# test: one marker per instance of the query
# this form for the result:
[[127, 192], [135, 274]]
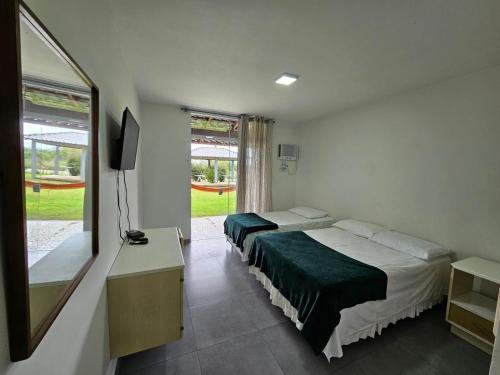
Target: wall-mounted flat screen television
[[127, 144]]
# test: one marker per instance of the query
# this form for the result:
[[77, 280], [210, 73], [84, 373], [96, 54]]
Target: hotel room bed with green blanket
[[238, 226], [318, 281], [241, 229]]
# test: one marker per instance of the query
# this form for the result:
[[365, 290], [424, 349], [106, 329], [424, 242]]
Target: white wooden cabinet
[[471, 313], [145, 293], [495, 361]]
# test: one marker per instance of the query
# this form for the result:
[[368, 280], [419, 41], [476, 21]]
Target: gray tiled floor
[[232, 328]]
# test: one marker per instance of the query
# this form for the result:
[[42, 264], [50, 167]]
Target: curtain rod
[[230, 116], [55, 86]]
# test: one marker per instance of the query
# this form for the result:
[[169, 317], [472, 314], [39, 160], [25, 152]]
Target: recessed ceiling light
[[286, 79]]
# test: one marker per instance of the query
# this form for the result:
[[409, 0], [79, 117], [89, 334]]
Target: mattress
[[287, 221], [413, 286]]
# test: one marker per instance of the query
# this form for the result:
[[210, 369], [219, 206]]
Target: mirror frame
[[12, 206]]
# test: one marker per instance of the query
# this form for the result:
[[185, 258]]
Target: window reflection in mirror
[[57, 168]]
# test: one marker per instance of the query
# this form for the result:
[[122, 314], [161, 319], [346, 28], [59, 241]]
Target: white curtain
[[254, 164]]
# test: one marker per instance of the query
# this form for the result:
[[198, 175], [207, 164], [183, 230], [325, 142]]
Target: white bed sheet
[[287, 221], [413, 286]]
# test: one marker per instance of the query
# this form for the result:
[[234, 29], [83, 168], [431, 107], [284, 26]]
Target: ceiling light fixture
[[286, 79]]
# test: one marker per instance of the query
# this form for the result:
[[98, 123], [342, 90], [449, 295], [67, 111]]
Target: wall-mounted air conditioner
[[288, 152]]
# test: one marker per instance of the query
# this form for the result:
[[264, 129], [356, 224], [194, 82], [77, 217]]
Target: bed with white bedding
[[286, 221], [413, 285]]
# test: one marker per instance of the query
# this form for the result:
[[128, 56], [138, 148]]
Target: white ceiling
[[225, 54], [38, 61]]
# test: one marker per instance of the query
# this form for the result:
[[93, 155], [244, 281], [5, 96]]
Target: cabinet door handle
[[182, 279]]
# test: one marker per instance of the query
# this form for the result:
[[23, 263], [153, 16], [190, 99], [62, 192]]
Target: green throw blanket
[[317, 281], [238, 226]]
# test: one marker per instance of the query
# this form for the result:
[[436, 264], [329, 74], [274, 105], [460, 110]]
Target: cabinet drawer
[[472, 323], [144, 311]]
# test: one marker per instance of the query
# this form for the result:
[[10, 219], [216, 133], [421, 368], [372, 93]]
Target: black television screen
[[127, 144]]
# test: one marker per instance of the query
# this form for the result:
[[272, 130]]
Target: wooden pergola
[[216, 154], [70, 139]]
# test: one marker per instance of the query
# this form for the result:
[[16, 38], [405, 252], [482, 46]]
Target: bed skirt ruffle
[[234, 247], [333, 348]]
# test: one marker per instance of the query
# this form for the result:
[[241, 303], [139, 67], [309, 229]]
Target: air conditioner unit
[[287, 152]]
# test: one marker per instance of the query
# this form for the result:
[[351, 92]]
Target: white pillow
[[405, 243], [308, 212], [359, 228]]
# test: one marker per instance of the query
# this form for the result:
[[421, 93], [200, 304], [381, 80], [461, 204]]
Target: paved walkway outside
[[203, 228], [45, 235]]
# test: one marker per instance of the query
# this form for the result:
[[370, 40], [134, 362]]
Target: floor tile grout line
[[231, 296], [226, 340], [425, 359], [135, 371], [198, 361], [272, 352], [257, 330]]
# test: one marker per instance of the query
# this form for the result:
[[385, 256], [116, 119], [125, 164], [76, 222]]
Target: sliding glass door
[[214, 165]]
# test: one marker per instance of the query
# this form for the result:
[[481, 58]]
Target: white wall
[[283, 183], [77, 343], [166, 147], [426, 162], [166, 167]]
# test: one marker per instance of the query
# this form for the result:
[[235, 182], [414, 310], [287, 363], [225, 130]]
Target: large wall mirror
[[49, 177]]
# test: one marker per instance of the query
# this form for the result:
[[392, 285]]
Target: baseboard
[[112, 366]]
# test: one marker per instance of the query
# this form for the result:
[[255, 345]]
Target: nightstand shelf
[[478, 304], [471, 313]]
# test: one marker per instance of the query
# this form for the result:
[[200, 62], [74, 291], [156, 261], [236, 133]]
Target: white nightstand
[[470, 312]]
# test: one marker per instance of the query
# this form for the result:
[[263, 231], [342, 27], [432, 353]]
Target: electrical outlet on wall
[[288, 166]]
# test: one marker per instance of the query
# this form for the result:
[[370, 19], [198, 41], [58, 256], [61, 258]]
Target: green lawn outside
[[68, 204], [211, 204], [54, 204]]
